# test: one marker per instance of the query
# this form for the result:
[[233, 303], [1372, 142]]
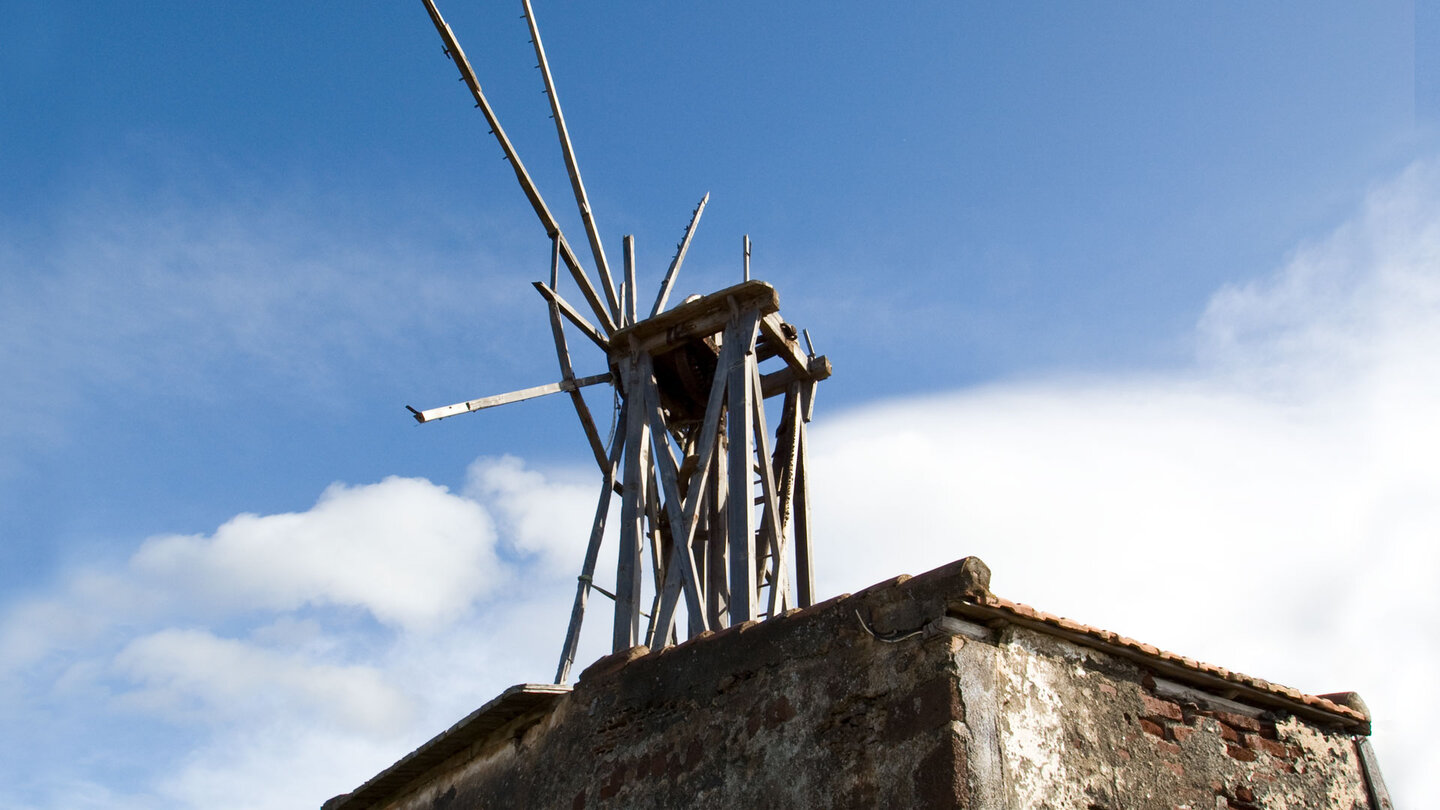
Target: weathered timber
[[592, 556], [741, 518], [482, 403], [627, 582], [670, 275], [527, 185], [567, 372], [582, 200], [777, 382], [693, 319], [573, 316]]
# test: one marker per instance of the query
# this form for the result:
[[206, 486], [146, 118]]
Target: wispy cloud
[[184, 298]]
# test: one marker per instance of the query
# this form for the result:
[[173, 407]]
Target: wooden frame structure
[[714, 516]]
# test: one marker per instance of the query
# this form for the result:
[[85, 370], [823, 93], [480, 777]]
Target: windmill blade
[[582, 200], [552, 229], [504, 399], [679, 256]]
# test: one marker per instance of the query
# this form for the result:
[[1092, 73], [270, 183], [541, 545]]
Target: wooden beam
[[582, 200], [699, 318], [804, 559], [777, 382], [592, 556], [684, 577], [444, 412], [567, 372], [627, 575], [741, 520], [574, 317], [773, 327], [771, 527], [552, 228], [675, 263], [717, 588]]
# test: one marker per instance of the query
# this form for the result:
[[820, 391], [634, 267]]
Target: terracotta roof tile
[[992, 604]]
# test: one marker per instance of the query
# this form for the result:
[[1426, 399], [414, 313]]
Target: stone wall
[[893, 697]]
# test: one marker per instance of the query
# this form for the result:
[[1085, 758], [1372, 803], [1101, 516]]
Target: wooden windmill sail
[[714, 512]]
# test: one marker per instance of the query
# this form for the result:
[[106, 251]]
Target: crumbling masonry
[[924, 692]]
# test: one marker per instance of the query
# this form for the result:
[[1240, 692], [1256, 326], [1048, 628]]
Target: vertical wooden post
[[632, 512], [741, 518], [717, 589]]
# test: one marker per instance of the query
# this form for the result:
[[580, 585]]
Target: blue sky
[[1145, 294]]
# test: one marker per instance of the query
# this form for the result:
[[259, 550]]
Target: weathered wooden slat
[[674, 271], [582, 200], [523, 394], [552, 228]]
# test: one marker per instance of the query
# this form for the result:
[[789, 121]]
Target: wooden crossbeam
[[523, 394]]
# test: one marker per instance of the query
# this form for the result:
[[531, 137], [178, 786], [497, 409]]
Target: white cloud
[[195, 677], [404, 549], [328, 641], [1274, 509], [547, 515]]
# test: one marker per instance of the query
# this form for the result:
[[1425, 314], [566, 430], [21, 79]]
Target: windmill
[[714, 514]]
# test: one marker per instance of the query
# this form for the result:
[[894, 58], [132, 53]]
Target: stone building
[[924, 692]]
